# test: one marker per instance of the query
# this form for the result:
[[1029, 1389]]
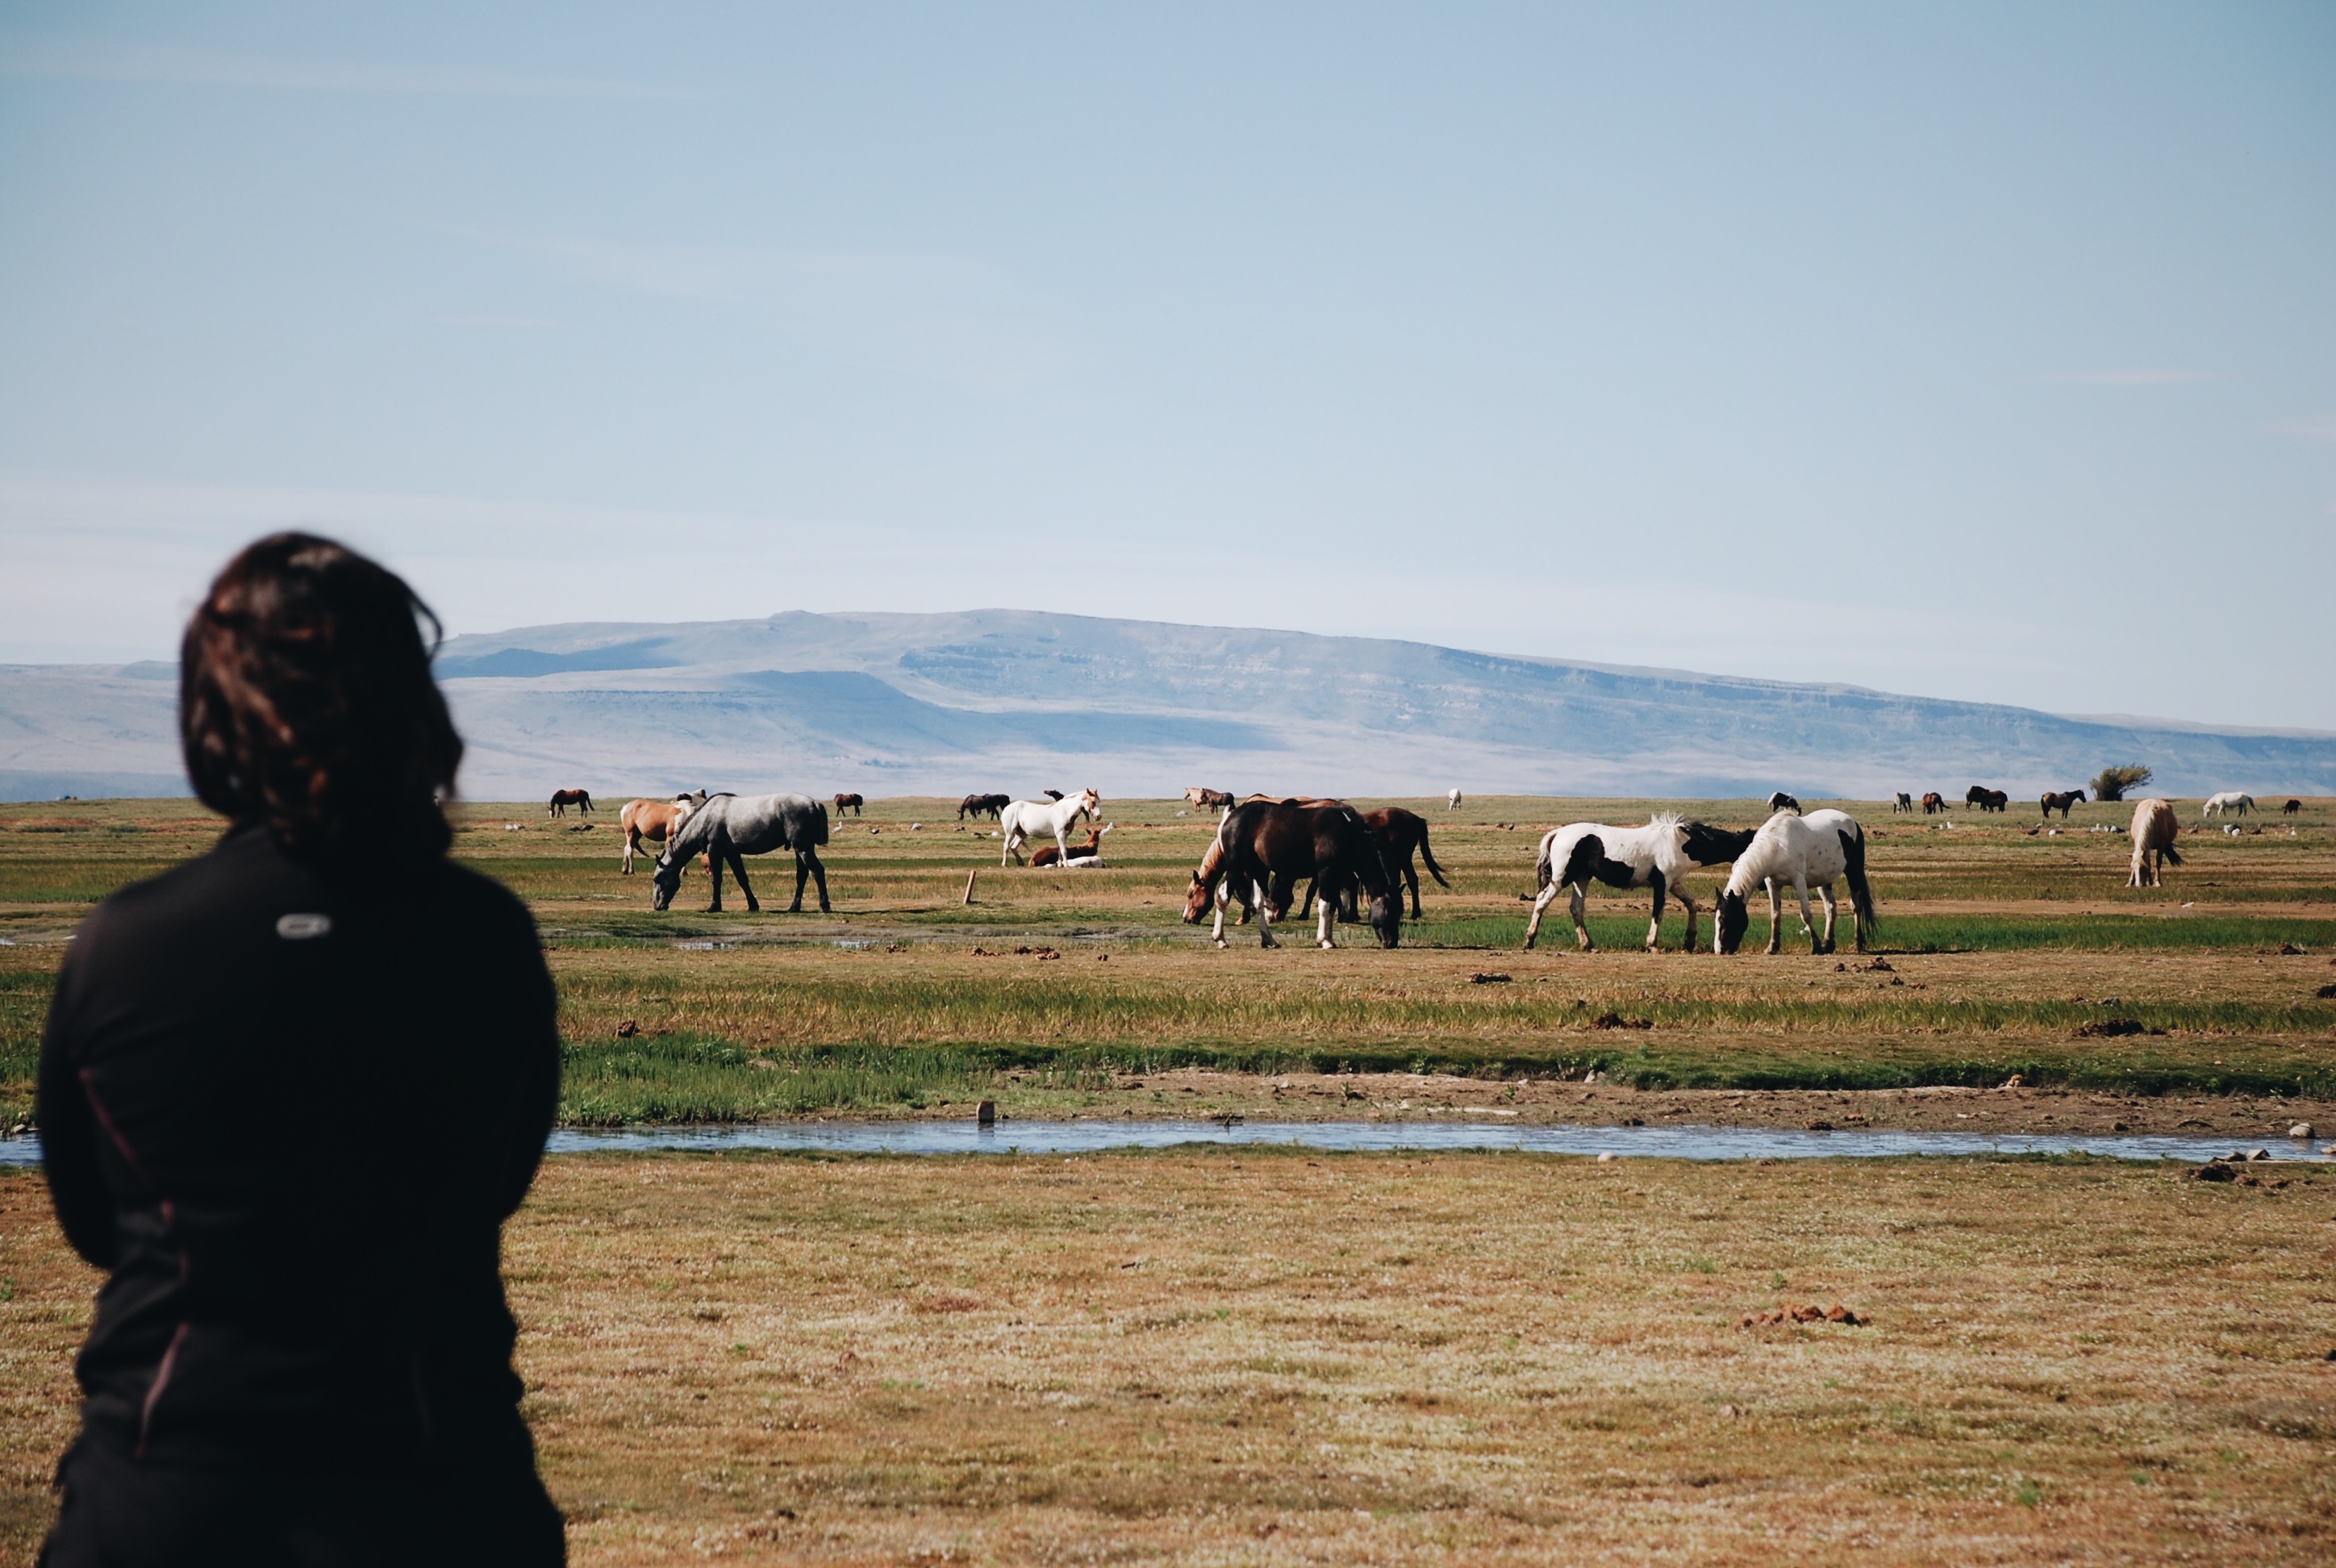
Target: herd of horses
[[1357, 866]]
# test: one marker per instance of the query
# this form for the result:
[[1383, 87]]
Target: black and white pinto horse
[[730, 827], [1657, 856], [1817, 848], [1781, 802]]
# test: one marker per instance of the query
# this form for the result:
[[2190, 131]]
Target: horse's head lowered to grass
[[1730, 918]]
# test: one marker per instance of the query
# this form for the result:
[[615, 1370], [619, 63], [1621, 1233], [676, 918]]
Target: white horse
[[2230, 800], [1657, 856], [1815, 848], [2153, 827], [1452, 801], [1026, 820]]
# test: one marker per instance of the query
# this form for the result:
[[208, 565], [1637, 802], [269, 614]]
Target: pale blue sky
[[1980, 352]]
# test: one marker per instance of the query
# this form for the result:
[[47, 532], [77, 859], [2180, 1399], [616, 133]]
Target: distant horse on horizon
[[2230, 800], [850, 803], [562, 799], [1986, 799], [2057, 802]]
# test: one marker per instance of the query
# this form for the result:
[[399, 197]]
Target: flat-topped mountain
[[1016, 700]]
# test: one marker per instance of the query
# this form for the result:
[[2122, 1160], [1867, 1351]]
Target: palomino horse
[[729, 827], [2230, 800], [562, 799], [1657, 856], [2153, 827], [2060, 802], [1817, 848], [1024, 820], [848, 803], [1263, 846], [654, 821]]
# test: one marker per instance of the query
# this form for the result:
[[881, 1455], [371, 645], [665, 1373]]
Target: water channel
[[1091, 1136]]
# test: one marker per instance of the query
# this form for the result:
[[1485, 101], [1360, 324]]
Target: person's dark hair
[[306, 702]]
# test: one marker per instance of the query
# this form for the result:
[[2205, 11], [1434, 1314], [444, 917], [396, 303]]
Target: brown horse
[[979, 806], [1263, 847], [2291, 808], [1986, 799], [1045, 854], [852, 802], [2057, 802], [562, 799], [1207, 800], [1935, 803], [654, 821]]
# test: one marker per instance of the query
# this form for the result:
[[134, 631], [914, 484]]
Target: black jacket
[[289, 1112]]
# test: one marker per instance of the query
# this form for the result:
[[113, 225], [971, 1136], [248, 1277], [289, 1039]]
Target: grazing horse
[[731, 827], [1904, 803], [1263, 847], [1208, 799], [1781, 802], [1452, 801], [2230, 800], [654, 821], [1045, 854], [850, 803], [2153, 827], [1400, 831], [979, 806], [1986, 799], [1935, 803], [1657, 856], [562, 799], [2291, 808], [2061, 803], [1026, 820], [1817, 848]]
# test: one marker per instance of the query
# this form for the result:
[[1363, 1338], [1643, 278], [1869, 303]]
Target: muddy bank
[[1306, 1096]]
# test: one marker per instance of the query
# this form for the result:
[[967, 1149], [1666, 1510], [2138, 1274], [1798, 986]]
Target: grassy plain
[[1258, 1357], [2009, 951], [1262, 1356]]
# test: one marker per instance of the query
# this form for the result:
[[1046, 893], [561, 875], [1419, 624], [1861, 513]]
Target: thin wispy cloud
[[2319, 427], [2131, 377], [82, 59]]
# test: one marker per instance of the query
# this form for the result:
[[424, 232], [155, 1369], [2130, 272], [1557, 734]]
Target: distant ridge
[[1017, 700]]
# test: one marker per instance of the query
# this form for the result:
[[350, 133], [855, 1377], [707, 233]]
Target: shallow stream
[[1086, 1136]]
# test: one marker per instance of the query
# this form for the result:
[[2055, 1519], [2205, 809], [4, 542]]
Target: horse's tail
[[2166, 849], [1428, 857], [821, 806], [1861, 892]]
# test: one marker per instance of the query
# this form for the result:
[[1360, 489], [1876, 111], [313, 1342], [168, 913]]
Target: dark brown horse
[[2291, 808], [1399, 833], [979, 806], [1263, 847], [2057, 802], [1986, 799], [1935, 803], [850, 803], [562, 799]]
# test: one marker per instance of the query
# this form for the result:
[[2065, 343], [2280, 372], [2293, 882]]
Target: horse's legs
[[1655, 920], [1580, 931], [1776, 912], [714, 848], [1824, 891], [1541, 902], [632, 842], [807, 865], [738, 870], [1411, 879], [1687, 904], [1224, 899], [1327, 922], [1264, 918]]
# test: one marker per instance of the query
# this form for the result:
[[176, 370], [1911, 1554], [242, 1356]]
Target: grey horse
[[730, 827]]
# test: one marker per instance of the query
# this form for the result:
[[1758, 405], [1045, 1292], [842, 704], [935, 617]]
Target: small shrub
[[2111, 783]]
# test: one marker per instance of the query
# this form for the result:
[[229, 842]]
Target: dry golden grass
[[1246, 1357]]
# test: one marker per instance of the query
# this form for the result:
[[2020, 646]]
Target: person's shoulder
[[231, 870], [472, 898]]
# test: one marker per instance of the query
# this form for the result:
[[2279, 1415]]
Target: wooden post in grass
[[969, 885]]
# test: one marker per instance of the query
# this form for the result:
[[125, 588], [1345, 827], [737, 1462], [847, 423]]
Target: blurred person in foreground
[[288, 1093]]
